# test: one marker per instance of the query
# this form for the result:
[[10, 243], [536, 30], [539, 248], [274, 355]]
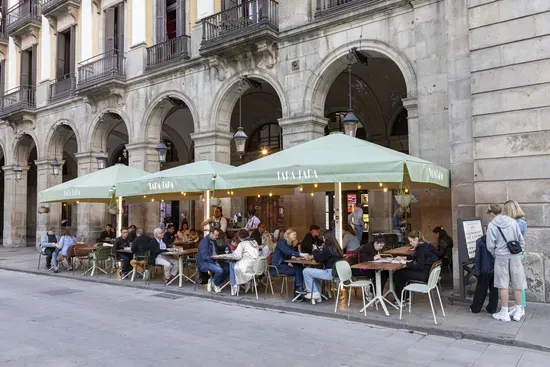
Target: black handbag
[[513, 246]]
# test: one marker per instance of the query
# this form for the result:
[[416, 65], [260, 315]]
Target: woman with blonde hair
[[512, 209], [285, 251]]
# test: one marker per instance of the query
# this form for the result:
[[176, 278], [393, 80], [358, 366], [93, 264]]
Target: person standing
[[253, 221], [356, 219], [484, 271], [513, 210], [219, 223], [508, 267], [444, 245], [47, 245]]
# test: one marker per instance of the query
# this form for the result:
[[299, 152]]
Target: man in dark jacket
[[208, 247], [168, 237], [108, 234], [484, 271], [141, 243], [119, 244], [310, 239]]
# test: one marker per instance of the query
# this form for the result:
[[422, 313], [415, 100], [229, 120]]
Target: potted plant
[[43, 210], [404, 200]]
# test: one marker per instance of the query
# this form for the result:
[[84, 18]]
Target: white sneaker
[[234, 289], [518, 313], [316, 296], [502, 315], [209, 286], [512, 311], [217, 289]]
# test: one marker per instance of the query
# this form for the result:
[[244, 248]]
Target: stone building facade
[[461, 83]]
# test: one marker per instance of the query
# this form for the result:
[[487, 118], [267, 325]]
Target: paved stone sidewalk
[[532, 332], [72, 323]]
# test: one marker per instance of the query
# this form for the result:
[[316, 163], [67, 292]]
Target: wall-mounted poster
[[469, 230], [352, 202], [365, 199]]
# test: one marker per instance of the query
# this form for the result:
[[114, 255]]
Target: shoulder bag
[[513, 246]]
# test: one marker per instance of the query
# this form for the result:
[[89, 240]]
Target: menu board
[[469, 230]]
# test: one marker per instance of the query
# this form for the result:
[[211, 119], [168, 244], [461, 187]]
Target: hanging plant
[[43, 210], [113, 205], [404, 200]]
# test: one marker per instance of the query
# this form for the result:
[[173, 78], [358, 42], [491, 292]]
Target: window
[[170, 19], [28, 67], [2, 76], [65, 63], [114, 28], [267, 137]]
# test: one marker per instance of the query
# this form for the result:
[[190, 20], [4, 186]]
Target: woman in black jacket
[[424, 256], [327, 256], [370, 252]]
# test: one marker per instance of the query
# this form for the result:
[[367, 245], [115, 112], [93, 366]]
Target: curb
[[460, 333]]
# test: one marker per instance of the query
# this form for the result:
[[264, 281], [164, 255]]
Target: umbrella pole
[[206, 207], [119, 216], [338, 211]]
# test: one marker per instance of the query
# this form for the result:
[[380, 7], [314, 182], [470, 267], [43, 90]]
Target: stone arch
[[99, 131], [154, 117], [57, 137], [228, 95], [22, 146], [335, 62]]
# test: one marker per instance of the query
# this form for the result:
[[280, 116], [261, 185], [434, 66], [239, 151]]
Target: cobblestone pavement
[[46, 321]]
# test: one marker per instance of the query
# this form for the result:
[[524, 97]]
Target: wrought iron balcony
[[331, 7], [16, 100], [62, 88], [251, 21], [168, 52], [53, 7], [4, 38], [22, 15], [106, 67]]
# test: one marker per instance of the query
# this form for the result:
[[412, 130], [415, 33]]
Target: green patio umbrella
[[336, 158], [94, 187]]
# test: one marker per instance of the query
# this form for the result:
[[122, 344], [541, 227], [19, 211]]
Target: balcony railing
[[107, 66], [62, 87], [3, 34], [167, 52], [241, 19], [24, 12], [17, 99], [49, 5]]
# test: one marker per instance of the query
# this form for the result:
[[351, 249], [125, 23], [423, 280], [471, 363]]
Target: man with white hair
[[158, 248]]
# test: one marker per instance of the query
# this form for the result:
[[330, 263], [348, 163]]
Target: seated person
[[444, 245], [310, 239], [119, 244], [107, 235], [183, 233], [200, 234], [285, 251], [207, 248], [263, 239], [140, 245], [424, 256], [350, 243], [193, 236], [370, 252], [157, 249], [60, 252], [246, 254], [328, 255], [47, 245], [132, 233], [169, 235]]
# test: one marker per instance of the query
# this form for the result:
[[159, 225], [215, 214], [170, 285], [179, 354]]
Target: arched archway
[[108, 131], [2, 187]]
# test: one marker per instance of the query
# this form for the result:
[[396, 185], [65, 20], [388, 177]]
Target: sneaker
[[512, 311], [234, 289], [55, 269], [502, 315], [217, 289], [518, 313], [300, 290], [316, 296]]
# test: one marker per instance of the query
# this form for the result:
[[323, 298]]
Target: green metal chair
[[101, 254]]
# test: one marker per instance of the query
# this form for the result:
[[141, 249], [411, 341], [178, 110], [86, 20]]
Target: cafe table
[[378, 266], [180, 255], [305, 263], [401, 251]]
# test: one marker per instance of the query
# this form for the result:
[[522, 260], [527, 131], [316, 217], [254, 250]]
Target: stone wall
[[510, 81]]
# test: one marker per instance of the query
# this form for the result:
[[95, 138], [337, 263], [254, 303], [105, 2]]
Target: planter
[[113, 211], [43, 210], [404, 201]]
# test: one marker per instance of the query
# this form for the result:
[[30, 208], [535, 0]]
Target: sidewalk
[[532, 332]]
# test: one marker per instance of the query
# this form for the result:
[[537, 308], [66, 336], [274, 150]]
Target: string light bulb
[[301, 188], [144, 196], [359, 186], [315, 185], [381, 184], [312, 194], [385, 189], [270, 194], [259, 195], [406, 190]]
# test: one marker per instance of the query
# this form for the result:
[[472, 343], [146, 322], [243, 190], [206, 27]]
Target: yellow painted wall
[[150, 23]]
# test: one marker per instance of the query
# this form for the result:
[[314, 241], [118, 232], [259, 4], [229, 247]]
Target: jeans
[[126, 258], [232, 279], [370, 274], [294, 271], [169, 264], [401, 277], [312, 278], [220, 272], [485, 281], [49, 253], [359, 233]]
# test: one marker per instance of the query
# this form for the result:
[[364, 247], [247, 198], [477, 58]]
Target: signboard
[[469, 230]]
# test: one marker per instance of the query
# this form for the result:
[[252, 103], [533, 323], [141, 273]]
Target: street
[[61, 322]]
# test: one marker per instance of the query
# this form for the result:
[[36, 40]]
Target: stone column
[[45, 180], [302, 210], [15, 208], [145, 215], [460, 120], [91, 216], [214, 146]]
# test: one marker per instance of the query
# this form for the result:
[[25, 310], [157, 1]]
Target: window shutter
[[72, 50], [2, 77], [34, 65], [60, 66], [24, 77], [109, 29], [120, 28], [180, 18], [161, 22], [228, 4]]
